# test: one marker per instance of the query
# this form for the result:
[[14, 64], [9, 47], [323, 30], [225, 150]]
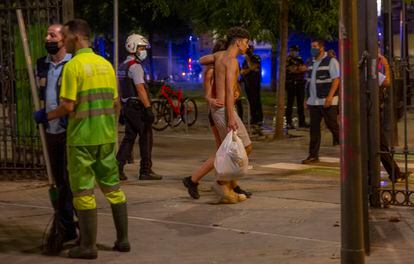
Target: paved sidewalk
[[293, 216]]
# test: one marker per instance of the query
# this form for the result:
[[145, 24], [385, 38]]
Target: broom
[[56, 232]]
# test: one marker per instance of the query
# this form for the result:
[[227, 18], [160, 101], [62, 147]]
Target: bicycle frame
[[166, 91]]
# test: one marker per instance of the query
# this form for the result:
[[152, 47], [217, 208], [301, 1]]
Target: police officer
[[136, 107], [49, 73], [322, 90], [295, 87], [252, 77]]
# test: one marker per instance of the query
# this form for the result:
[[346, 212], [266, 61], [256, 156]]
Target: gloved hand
[[148, 116], [40, 116]]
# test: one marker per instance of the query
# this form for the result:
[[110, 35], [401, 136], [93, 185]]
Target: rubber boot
[[120, 214], [88, 228]]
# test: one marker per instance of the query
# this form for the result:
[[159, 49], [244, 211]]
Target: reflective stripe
[[323, 68], [323, 81], [97, 96], [83, 193], [94, 112], [86, 202], [116, 197], [125, 100], [108, 189]]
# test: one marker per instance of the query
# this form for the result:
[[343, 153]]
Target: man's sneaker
[[227, 195], [402, 177], [239, 190], [310, 159], [192, 187], [237, 198], [149, 177]]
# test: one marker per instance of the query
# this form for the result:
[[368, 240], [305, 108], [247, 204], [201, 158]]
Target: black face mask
[[52, 47]]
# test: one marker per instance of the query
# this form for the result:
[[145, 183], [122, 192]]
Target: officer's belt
[[125, 100]]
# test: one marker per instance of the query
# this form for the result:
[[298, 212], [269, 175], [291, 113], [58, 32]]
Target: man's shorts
[[219, 117]]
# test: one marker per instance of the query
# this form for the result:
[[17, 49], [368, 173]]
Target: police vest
[[126, 84], [323, 78], [42, 68]]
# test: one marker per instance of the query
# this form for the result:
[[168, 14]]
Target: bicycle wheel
[[160, 123], [171, 117], [189, 111]]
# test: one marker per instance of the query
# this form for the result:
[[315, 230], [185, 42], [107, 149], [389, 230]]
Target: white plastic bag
[[231, 158]]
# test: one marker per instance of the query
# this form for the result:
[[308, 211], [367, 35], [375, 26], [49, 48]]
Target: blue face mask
[[315, 52]]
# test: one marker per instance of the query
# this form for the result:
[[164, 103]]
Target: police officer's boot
[[120, 214], [88, 227]]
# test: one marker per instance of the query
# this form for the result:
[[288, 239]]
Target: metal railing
[[20, 150]]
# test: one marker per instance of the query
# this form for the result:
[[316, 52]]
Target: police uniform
[[49, 75], [89, 80], [130, 74], [252, 85], [295, 88], [320, 76]]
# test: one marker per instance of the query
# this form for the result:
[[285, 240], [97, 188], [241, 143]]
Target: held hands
[[216, 103], [40, 116], [148, 116]]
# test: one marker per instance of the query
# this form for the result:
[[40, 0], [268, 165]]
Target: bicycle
[[171, 108]]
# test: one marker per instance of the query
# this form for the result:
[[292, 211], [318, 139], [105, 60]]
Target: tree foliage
[[149, 17]]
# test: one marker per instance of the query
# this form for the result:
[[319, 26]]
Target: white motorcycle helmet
[[134, 41]]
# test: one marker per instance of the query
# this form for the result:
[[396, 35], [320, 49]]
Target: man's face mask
[[52, 47], [315, 52]]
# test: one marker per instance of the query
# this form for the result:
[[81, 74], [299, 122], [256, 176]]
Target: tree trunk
[[280, 94], [273, 66]]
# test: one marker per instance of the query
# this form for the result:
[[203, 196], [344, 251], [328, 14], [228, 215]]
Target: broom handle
[[33, 89]]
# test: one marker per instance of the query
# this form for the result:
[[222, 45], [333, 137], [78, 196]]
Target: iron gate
[[398, 113], [20, 149]]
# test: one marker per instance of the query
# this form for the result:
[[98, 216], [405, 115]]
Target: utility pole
[[352, 249], [363, 102]]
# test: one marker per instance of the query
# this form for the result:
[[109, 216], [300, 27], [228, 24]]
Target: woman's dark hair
[[219, 45]]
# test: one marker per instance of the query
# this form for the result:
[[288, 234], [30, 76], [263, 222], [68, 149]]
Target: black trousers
[[134, 125], [56, 145], [253, 96], [386, 158], [317, 113], [295, 90]]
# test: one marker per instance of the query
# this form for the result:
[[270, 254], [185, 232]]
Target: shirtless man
[[191, 182], [226, 71]]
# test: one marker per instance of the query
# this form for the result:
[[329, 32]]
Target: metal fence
[[398, 106], [20, 150]]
